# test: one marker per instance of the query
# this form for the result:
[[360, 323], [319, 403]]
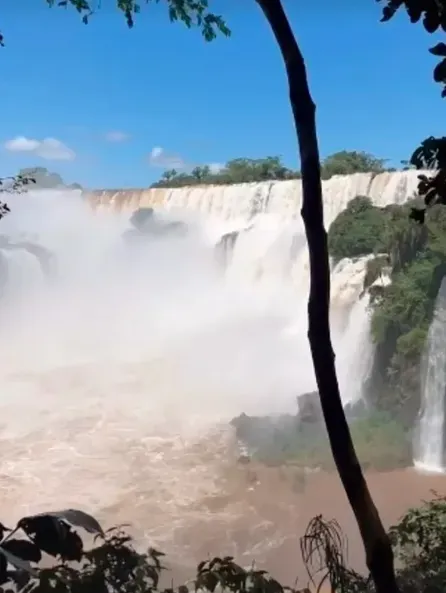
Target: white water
[[230, 207], [429, 445], [118, 380]]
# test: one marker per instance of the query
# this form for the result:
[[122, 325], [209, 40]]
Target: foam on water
[[112, 374], [118, 378]]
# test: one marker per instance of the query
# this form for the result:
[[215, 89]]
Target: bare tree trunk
[[379, 555]]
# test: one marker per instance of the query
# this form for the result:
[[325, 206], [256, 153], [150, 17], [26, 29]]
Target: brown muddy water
[[119, 378], [262, 512], [171, 473]]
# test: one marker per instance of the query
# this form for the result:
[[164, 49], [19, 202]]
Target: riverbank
[[382, 443]]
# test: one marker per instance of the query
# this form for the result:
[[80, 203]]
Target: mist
[[119, 366]]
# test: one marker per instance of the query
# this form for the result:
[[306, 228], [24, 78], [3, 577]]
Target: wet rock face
[[147, 225], [278, 439], [356, 410], [248, 428], [142, 218], [310, 411], [45, 258], [261, 433], [225, 247], [177, 227]]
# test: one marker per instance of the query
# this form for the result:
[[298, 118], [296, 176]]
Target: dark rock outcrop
[[147, 225], [225, 248], [310, 411], [45, 258], [277, 439]]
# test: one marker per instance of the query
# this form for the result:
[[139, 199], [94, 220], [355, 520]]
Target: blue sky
[[106, 96]]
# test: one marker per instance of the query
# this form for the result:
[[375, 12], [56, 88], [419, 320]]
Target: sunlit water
[[429, 438]]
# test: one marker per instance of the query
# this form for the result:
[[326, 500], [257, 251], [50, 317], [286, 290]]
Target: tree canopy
[[348, 162], [356, 231], [271, 168], [190, 12]]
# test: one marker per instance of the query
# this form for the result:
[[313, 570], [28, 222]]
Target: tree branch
[[379, 554]]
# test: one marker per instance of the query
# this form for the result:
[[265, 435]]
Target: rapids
[[119, 376]]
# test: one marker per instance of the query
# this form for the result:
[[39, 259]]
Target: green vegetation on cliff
[[381, 442], [271, 168], [415, 258], [358, 230], [402, 309]]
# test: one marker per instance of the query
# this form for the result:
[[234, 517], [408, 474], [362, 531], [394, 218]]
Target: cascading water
[[273, 251], [429, 438], [355, 362], [118, 378]]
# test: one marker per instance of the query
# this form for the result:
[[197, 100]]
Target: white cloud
[[116, 136], [216, 167], [49, 149], [166, 160]]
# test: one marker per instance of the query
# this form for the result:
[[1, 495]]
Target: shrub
[[358, 230], [418, 540], [111, 565], [380, 441]]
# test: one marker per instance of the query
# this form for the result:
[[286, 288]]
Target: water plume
[[125, 361], [429, 436], [120, 375]]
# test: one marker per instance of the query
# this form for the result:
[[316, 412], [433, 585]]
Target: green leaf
[[439, 50], [18, 562], [23, 549]]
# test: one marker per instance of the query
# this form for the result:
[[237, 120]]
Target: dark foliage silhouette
[[419, 542], [46, 553], [110, 565], [13, 185], [431, 154]]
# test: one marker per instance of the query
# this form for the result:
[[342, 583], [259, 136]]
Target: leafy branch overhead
[[28, 178], [45, 553], [13, 185], [193, 13], [112, 565], [432, 152], [433, 12]]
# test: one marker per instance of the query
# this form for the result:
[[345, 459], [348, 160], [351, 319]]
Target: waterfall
[[429, 438], [230, 206], [355, 353], [270, 252], [132, 362]]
